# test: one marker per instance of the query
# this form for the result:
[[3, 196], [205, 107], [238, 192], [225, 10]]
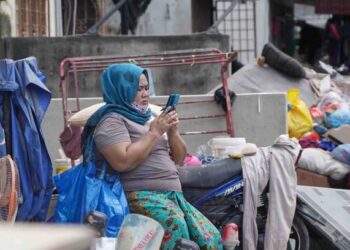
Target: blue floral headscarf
[[120, 83]]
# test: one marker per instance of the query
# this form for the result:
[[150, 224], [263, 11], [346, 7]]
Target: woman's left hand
[[173, 130], [177, 145]]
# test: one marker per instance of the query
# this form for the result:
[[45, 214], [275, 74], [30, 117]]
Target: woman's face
[[142, 97]]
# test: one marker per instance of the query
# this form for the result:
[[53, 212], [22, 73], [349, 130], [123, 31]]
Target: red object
[[310, 140], [230, 232], [192, 160], [70, 140], [312, 136], [335, 31], [338, 7], [315, 112]]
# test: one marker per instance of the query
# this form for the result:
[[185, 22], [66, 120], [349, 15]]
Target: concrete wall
[[51, 51], [259, 117], [166, 17]]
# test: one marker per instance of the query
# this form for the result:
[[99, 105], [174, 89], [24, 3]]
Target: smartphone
[[173, 100]]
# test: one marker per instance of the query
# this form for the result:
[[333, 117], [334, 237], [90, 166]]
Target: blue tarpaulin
[[29, 100]]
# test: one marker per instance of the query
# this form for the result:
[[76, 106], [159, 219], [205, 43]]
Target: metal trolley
[[70, 68]]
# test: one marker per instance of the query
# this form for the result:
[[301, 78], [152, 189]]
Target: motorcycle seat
[[211, 175]]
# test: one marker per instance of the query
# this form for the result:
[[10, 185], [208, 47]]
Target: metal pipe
[[93, 30], [74, 16], [214, 27]]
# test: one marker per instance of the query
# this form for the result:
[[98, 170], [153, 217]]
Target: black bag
[[282, 62], [219, 97]]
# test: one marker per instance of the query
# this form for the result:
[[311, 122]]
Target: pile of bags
[[322, 129]]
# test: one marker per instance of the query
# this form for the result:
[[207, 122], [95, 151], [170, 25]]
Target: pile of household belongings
[[318, 112]]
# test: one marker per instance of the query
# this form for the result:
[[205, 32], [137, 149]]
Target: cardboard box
[[308, 178]]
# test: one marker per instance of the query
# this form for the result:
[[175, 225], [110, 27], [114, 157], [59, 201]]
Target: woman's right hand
[[163, 122]]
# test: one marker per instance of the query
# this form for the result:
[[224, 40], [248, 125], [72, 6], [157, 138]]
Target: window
[[32, 16], [240, 26], [88, 12]]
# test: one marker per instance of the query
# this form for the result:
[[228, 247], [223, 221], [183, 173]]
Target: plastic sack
[[321, 162], [310, 140], [299, 118], [328, 100], [327, 145], [70, 140], [342, 154], [337, 118], [83, 189], [192, 160], [204, 154], [140, 232]]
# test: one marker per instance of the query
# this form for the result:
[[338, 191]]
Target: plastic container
[[230, 236], [139, 232], [230, 245], [61, 165], [221, 147]]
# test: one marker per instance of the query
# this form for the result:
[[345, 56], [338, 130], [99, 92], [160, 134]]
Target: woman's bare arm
[[125, 157], [178, 148]]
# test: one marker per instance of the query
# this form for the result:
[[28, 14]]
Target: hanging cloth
[[33, 99], [8, 85], [35, 91]]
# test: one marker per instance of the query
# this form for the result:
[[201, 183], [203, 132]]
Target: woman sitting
[[138, 150]]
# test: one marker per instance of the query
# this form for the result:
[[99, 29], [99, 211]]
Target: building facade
[[30, 18], [246, 23]]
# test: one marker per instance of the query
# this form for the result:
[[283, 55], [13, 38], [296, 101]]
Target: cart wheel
[[299, 238]]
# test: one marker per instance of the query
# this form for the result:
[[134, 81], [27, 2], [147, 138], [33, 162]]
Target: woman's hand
[[173, 129], [177, 145], [164, 122]]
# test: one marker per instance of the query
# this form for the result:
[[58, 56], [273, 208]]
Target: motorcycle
[[217, 191]]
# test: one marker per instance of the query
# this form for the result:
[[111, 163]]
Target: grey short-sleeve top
[[157, 173]]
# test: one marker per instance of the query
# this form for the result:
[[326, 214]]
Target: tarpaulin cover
[[28, 104], [256, 79]]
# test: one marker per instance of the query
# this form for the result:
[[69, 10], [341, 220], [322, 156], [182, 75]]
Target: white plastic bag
[[321, 162]]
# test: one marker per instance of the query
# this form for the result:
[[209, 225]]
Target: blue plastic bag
[[327, 145], [85, 188], [342, 154], [337, 118]]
